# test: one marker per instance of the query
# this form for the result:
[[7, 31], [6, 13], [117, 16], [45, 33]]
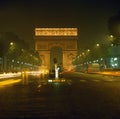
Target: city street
[[59, 59], [81, 96]]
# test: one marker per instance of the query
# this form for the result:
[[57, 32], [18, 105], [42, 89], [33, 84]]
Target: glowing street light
[[83, 53], [111, 36], [97, 45], [88, 50], [11, 43]]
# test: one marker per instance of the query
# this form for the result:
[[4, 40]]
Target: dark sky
[[89, 16]]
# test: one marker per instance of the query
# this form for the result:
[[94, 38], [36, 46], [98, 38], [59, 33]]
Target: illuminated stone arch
[[56, 52], [65, 38], [56, 44]]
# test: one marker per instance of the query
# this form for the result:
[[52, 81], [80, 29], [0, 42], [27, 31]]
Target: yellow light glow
[[10, 81], [98, 45], [111, 36], [56, 31], [11, 43], [88, 50], [56, 80], [50, 80], [9, 75], [115, 73]]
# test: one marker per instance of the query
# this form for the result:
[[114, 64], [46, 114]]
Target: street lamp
[[11, 43], [97, 45], [88, 50], [111, 36], [83, 53]]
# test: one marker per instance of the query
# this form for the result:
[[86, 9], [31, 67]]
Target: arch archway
[[56, 53], [59, 43]]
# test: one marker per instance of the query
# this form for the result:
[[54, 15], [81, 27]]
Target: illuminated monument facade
[[56, 43]]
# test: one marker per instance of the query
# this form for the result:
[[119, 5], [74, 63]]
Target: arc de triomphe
[[56, 43]]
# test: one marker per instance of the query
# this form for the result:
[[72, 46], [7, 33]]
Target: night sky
[[89, 16]]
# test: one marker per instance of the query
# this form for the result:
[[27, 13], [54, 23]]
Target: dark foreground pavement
[[80, 97]]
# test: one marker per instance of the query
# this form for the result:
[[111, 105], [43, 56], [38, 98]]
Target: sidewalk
[[110, 73], [105, 76]]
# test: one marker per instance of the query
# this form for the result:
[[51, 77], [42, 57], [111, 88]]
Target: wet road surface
[[73, 99]]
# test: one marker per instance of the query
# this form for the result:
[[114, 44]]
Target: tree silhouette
[[114, 28]]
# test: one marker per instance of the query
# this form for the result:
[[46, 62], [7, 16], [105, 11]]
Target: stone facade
[[66, 41]]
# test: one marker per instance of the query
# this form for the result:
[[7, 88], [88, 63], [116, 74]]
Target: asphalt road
[[82, 96]]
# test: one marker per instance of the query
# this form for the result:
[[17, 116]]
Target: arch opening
[[56, 53]]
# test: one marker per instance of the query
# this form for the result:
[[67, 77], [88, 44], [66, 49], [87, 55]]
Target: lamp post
[[11, 43], [97, 44], [6, 56]]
